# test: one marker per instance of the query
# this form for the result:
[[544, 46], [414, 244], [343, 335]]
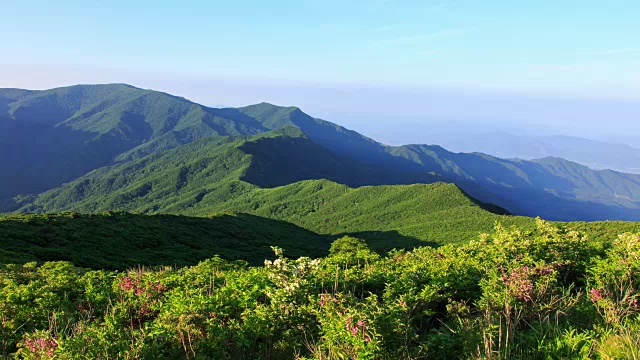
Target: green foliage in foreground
[[542, 294]]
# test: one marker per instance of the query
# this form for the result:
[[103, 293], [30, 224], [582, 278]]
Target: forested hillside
[[61, 134], [84, 134], [304, 218]]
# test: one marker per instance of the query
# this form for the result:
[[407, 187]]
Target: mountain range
[[599, 155], [92, 148]]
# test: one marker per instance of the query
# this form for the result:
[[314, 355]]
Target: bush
[[512, 294]]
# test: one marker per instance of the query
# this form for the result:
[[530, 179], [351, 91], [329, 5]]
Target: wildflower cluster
[[595, 295], [358, 328], [615, 280], [146, 294], [520, 281], [139, 288], [289, 275], [327, 298], [41, 346]]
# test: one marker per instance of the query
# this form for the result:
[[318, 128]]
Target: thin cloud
[[428, 52], [442, 5], [439, 6], [385, 5], [635, 80], [616, 51], [577, 67], [436, 35]]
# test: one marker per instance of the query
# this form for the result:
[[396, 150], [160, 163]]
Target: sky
[[368, 64]]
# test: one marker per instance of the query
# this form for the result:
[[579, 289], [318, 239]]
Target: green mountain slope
[[554, 188], [269, 175], [262, 176], [208, 171], [62, 134], [386, 216], [338, 139], [225, 173], [268, 178]]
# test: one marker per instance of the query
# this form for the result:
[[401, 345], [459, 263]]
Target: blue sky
[[558, 49], [538, 46]]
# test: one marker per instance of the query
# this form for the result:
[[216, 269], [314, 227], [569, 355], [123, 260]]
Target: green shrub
[[513, 294]]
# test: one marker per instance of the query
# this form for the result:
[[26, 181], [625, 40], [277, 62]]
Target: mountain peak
[[265, 107], [268, 104]]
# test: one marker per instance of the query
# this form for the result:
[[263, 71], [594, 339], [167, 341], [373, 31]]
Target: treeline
[[519, 294]]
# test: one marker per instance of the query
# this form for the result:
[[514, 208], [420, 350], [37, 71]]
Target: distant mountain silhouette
[[599, 155]]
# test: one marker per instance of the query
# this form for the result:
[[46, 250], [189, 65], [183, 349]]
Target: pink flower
[[138, 288], [359, 327], [595, 295], [354, 330], [325, 298], [545, 271], [48, 346]]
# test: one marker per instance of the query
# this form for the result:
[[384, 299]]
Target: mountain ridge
[[107, 130], [597, 154]]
